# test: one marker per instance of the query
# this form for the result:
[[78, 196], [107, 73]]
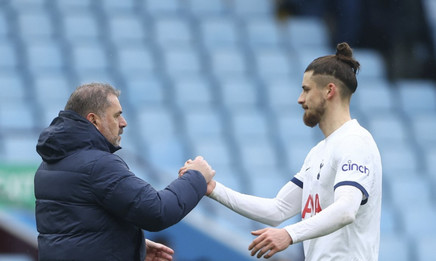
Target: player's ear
[[94, 119], [331, 90]]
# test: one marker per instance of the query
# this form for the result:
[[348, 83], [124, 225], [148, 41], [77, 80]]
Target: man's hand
[[158, 252], [200, 165], [210, 187], [269, 239]]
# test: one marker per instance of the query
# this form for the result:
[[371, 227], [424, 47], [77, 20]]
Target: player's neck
[[333, 120]]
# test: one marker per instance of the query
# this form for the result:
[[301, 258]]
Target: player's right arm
[[339, 214], [270, 211]]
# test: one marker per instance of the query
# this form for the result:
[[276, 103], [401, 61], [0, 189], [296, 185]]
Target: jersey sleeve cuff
[[292, 234], [357, 185], [297, 182], [217, 191]]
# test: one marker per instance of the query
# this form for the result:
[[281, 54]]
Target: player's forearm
[[265, 210], [339, 214]]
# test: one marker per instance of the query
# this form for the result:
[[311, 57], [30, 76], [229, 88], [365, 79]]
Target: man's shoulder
[[86, 160]]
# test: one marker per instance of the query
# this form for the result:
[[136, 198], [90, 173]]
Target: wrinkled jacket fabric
[[89, 206]]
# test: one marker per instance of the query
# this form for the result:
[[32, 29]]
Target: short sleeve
[[355, 165], [298, 178]]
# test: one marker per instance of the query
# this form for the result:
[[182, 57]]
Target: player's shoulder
[[355, 137], [355, 132]]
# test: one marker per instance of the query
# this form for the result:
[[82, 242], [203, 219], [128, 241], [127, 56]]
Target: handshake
[[200, 164]]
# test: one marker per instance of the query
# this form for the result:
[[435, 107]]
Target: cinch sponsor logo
[[350, 166]]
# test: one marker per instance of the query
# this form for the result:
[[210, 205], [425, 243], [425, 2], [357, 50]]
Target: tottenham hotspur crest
[[319, 172]]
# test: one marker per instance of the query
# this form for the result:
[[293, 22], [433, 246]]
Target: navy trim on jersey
[[357, 185], [297, 182]]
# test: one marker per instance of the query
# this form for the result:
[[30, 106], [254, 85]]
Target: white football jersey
[[349, 156]]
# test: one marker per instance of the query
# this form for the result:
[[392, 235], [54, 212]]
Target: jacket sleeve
[[126, 196]]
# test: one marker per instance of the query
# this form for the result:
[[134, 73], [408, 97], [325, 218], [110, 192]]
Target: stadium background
[[221, 78]]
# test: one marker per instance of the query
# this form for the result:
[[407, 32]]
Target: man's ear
[[93, 118], [331, 90]]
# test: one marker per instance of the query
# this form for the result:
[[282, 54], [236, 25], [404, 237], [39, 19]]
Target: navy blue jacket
[[89, 206]]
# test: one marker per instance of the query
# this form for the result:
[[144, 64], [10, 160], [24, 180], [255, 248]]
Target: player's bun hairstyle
[[342, 66]]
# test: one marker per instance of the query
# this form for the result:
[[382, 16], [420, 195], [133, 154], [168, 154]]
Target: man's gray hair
[[91, 97]]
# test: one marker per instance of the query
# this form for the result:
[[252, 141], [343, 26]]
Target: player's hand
[[269, 242], [158, 252], [210, 187], [200, 165]]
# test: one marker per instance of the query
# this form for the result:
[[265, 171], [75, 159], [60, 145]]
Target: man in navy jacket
[[89, 206]]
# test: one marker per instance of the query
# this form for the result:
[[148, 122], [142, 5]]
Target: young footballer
[[338, 189]]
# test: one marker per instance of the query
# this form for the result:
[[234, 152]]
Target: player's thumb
[[258, 232]]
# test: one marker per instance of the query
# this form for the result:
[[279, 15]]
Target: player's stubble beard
[[312, 117]]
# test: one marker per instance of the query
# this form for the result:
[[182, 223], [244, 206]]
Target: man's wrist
[[291, 234]]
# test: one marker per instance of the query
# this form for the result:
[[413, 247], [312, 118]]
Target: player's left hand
[[158, 252], [269, 242]]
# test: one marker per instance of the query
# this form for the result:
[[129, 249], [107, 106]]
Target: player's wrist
[[292, 235]]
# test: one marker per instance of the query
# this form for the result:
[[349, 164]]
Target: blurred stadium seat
[[16, 115], [416, 96], [423, 126], [371, 63], [406, 202], [219, 32], [263, 33], [282, 93], [72, 5], [425, 248], [249, 125], [370, 87], [238, 92], [228, 62], [9, 56], [158, 8], [136, 60], [113, 7], [35, 24], [200, 8], [45, 55], [172, 31], [299, 27], [16, 89], [382, 125], [252, 8], [145, 89], [394, 247], [156, 122], [89, 58], [181, 62], [20, 149], [126, 28], [275, 63], [80, 27]]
